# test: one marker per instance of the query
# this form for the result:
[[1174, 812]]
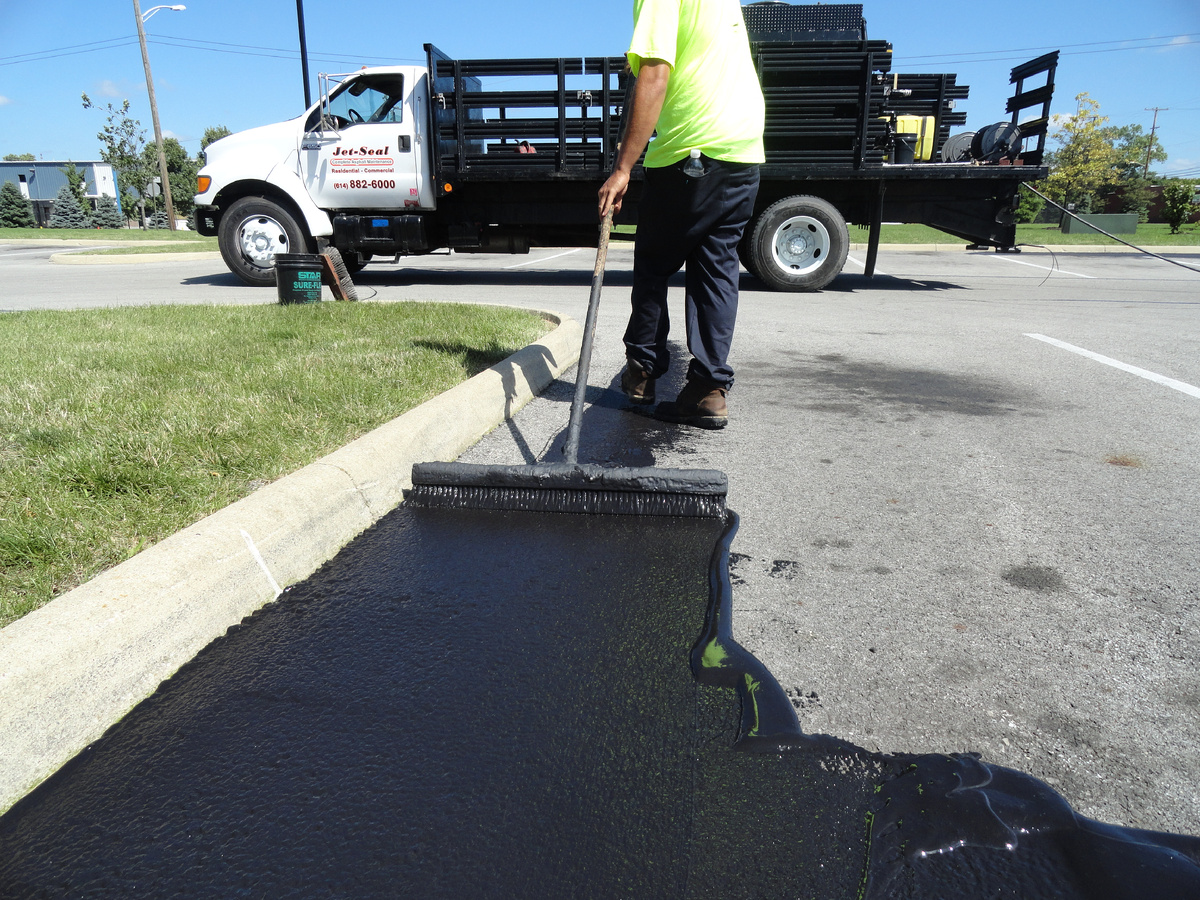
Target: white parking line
[[1021, 262], [542, 259], [1182, 386], [859, 262]]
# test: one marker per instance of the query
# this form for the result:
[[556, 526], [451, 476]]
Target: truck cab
[[283, 188]]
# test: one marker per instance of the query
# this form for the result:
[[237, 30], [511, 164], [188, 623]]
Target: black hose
[[1173, 262]]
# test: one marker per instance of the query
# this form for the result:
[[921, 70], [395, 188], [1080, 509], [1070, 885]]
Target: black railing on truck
[[526, 133]]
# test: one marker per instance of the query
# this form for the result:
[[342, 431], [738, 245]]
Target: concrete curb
[[86, 242], [75, 667]]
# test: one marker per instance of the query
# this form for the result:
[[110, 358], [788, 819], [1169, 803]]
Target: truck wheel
[[252, 231], [799, 244]]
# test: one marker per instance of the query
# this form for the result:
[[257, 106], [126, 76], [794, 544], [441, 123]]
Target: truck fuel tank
[[382, 234]]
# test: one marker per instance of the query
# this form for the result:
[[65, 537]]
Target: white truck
[[501, 155]]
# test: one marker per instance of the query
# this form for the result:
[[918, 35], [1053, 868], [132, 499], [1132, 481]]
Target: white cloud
[[4, 101], [108, 88]]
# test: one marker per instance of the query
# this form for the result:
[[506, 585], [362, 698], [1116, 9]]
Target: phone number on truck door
[[360, 184]]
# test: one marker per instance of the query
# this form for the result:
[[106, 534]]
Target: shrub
[[107, 215], [67, 213], [1029, 205], [15, 210], [1178, 204]]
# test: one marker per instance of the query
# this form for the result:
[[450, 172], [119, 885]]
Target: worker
[[696, 90]]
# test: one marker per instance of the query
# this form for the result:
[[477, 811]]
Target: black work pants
[[696, 222]]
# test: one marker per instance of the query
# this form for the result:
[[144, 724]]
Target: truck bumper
[[208, 220]]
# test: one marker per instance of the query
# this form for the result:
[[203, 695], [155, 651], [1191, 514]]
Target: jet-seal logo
[[361, 151], [346, 159]]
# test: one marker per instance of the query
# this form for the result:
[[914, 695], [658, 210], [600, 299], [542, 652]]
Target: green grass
[[119, 427], [202, 246], [1156, 235], [99, 234], [1151, 235]]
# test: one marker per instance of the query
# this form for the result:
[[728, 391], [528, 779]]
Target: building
[[41, 180]]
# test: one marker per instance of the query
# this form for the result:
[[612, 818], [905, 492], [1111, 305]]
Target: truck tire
[[799, 244], [252, 231]]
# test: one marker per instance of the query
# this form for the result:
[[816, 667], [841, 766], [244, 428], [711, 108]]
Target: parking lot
[[969, 489]]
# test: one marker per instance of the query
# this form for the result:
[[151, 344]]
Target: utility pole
[[162, 157], [1153, 126]]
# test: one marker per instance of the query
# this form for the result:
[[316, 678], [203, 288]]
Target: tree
[[1179, 203], [107, 215], [123, 139], [15, 209], [77, 181], [212, 135], [66, 212], [1029, 205], [181, 170], [1134, 195], [1133, 149], [19, 157], [1085, 157]]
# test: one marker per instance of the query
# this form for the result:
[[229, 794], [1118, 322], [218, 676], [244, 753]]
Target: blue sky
[[235, 63]]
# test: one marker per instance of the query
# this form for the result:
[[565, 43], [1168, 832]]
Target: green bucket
[[298, 277]]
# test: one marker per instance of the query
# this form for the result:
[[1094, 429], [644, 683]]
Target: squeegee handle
[[571, 450]]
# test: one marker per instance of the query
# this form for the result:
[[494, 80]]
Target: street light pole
[[162, 158]]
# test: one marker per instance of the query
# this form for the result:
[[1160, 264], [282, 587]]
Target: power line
[[93, 44], [189, 44], [906, 61], [276, 53], [52, 54], [1165, 37], [244, 49]]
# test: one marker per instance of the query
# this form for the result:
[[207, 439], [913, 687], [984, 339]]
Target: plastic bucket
[[298, 277], [906, 148]]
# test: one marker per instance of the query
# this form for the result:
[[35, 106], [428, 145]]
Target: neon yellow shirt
[[714, 102]]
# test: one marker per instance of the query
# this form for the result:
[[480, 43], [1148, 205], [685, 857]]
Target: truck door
[[365, 153]]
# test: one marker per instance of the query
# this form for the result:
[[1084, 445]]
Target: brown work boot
[[700, 403], [637, 385]]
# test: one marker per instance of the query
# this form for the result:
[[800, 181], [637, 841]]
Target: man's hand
[[612, 192], [651, 90]]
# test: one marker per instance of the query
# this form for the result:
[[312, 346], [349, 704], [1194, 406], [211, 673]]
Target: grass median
[[119, 427], [1152, 235], [135, 235], [205, 245]]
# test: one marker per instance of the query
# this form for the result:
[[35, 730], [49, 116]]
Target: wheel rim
[[801, 244], [260, 238]]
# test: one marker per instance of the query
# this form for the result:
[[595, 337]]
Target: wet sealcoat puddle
[[486, 704]]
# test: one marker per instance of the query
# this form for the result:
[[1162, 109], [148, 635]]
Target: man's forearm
[[648, 98]]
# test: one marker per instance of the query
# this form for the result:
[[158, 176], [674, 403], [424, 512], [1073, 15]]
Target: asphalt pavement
[[958, 534]]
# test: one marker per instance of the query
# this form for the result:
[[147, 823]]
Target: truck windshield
[[370, 99]]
